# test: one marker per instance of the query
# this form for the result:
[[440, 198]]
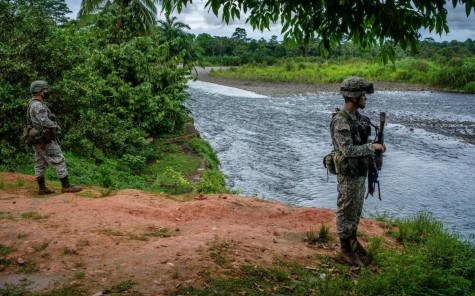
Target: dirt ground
[[157, 242]]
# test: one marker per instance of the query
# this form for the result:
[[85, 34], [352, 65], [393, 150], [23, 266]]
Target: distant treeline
[[440, 64], [239, 49]]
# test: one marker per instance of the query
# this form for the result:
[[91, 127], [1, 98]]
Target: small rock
[[20, 261]]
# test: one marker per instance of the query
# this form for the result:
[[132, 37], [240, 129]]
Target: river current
[[272, 147]]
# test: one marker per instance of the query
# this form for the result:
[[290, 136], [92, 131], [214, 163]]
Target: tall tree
[[365, 22], [240, 35], [171, 28], [144, 11]]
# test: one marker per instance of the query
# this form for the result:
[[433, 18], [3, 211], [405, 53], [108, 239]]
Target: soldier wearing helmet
[[350, 133], [45, 144]]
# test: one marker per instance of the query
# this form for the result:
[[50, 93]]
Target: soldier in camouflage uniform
[[47, 149], [350, 133]]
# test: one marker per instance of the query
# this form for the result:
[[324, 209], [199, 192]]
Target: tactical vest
[[360, 133], [34, 134]]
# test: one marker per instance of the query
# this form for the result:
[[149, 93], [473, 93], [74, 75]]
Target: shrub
[[470, 87], [420, 65], [212, 181]]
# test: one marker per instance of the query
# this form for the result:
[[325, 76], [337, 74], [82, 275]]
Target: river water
[[272, 147]]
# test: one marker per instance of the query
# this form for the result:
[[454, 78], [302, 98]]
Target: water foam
[[213, 88]]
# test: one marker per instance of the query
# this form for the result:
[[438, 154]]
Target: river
[[272, 148]]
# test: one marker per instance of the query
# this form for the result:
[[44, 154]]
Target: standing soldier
[[44, 140], [350, 133]]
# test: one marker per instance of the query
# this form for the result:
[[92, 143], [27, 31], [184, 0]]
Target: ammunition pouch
[[336, 163], [36, 135]]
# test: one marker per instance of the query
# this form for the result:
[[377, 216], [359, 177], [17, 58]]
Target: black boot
[[42, 186], [357, 246], [348, 256], [67, 187]]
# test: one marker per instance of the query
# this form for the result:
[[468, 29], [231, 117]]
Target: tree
[[171, 28], [144, 11], [171, 32], [366, 22], [33, 47], [240, 35]]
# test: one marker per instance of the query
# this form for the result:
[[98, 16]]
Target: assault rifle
[[376, 161]]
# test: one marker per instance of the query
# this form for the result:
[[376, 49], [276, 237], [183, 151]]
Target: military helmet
[[354, 87], [37, 86]]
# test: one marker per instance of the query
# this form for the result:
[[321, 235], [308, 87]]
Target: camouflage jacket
[[341, 135], [40, 114]]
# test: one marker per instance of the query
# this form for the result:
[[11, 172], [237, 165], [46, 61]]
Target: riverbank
[[284, 89], [156, 243], [132, 242]]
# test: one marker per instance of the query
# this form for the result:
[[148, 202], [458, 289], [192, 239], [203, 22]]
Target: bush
[[206, 151], [212, 181], [420, 65], [470, 87]]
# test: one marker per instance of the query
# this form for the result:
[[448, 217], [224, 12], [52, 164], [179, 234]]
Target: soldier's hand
[[379, 147]]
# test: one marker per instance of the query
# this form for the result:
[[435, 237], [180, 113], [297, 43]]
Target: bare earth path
[[154, 241]]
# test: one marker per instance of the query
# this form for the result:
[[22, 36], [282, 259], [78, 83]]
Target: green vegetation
[[365, 23], [162, 232], [128, 92], [408, 70], [122, 287], [322, 236], [162, 166], [118, 84], [32, 215], [5, 250]]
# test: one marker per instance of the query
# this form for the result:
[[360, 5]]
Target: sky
[[201, 21]]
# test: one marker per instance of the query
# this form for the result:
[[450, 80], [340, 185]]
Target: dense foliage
[[238, 49], [112, 85], [33, 47], [366, 23], [446, 64]]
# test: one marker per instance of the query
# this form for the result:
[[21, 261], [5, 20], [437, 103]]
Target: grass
[[32, 215], [163, 166], [161, 232], [322, 236], [408, 70], [5, 250], [122, 287], [218, 253], [41, 247]]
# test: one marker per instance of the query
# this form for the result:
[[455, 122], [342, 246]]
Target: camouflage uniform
[[50, 153], [351, 190]]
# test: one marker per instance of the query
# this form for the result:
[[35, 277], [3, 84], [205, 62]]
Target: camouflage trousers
[[350, 201], [49, 155]]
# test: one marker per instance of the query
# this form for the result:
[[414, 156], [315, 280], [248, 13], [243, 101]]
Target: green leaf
[[468, 8]]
